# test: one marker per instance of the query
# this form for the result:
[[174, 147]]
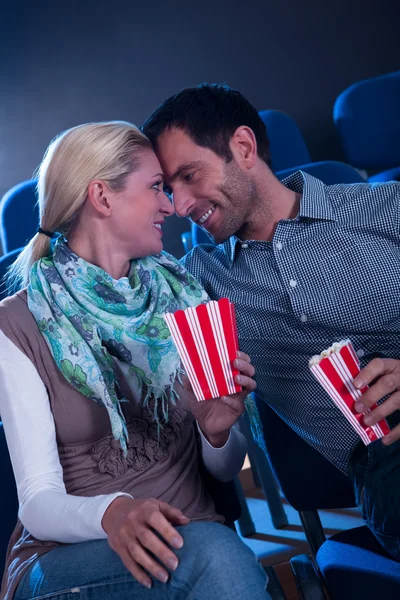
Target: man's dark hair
[[209, 114]]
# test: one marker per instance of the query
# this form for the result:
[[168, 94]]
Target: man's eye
[[188, 177]]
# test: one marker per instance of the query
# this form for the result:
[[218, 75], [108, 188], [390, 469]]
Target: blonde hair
[[109, 151]]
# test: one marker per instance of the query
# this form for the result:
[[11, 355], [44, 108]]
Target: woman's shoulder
[[14, 306], [16, 320]]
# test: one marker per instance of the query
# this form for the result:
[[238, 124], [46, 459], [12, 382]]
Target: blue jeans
[[375, 471], [214, 564]]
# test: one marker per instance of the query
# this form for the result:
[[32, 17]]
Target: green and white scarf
[[87, 318]]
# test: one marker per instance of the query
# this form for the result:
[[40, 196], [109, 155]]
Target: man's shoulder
[[365, 202], [363, 192]]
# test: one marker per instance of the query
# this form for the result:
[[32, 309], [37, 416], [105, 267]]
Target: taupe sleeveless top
[[163, 466]]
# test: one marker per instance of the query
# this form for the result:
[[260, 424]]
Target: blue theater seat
[[288, 147], [352, 565], [354, 560], [367, 118], [19, 215]]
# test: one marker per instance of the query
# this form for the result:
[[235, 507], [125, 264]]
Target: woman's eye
[[157, 186]]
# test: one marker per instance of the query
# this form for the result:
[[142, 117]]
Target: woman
[[104, 440]]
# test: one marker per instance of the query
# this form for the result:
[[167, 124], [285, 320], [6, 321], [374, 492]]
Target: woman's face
[[140, 209]]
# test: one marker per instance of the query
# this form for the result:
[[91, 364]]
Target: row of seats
[[367, 119]]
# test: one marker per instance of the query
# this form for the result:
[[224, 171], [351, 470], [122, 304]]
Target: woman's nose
[[167, 207]]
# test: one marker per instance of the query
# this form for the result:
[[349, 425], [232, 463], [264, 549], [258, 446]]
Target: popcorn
[[206, 339], [335, 369]]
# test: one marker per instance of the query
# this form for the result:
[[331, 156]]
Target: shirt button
[[279, 245], [360, 353], [303, 318], [245, 245], [293, 283]]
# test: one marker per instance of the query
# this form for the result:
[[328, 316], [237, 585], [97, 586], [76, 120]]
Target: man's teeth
[[158, 225], [204, 218]]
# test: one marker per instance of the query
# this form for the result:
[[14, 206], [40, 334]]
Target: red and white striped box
[[206, 339], [335, 369]]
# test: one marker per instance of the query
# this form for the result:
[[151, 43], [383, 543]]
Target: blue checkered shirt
[[331, 273]]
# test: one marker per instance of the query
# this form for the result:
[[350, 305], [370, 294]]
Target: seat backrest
[[288, 147], [328, 171], [5, 262], [307, 479], [367, 118], [8, 498], [19, 215]]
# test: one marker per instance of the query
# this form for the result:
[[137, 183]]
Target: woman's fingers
[[143, 559], [243, 356], [154, 544], [235, 402], [248, 384], [244, 366], [173, 514], [134, 568]]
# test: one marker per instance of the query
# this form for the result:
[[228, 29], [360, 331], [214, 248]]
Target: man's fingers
[[134, 568], [385, 385], [391, 437], [383, 410], [377, 367], [141, 557]]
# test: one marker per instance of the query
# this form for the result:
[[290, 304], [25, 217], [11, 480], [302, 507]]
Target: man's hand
[[217, 416], [131, 527], [385, 373]]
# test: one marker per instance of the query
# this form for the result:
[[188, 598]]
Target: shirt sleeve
[[224, 463], [45, 508]]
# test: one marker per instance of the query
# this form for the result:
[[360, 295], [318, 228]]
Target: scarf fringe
[[256, 427]]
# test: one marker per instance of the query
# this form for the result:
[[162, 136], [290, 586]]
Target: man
[[306, 265]]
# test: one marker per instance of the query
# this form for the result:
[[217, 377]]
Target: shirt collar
[[314, 204]]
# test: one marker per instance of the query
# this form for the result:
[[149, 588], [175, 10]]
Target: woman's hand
[[217, 416], [132, 527]]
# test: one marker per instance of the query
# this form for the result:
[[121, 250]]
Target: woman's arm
[[46, 510], [224, 463]]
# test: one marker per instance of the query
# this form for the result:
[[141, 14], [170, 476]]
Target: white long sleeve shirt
[[46, 510]]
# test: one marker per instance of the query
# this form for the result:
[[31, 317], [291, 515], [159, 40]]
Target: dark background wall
[[64, 63]]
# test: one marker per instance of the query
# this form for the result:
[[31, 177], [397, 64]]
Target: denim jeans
[[214, 564], [375, 471]]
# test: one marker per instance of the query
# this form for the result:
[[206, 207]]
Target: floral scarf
[[88, 318]]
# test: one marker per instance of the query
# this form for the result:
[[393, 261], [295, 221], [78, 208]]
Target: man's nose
[[183, 203]]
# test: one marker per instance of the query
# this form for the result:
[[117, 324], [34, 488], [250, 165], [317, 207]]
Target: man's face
[[214, 194]]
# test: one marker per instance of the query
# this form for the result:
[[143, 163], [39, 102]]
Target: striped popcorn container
[[336, 369], [206, 339]]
